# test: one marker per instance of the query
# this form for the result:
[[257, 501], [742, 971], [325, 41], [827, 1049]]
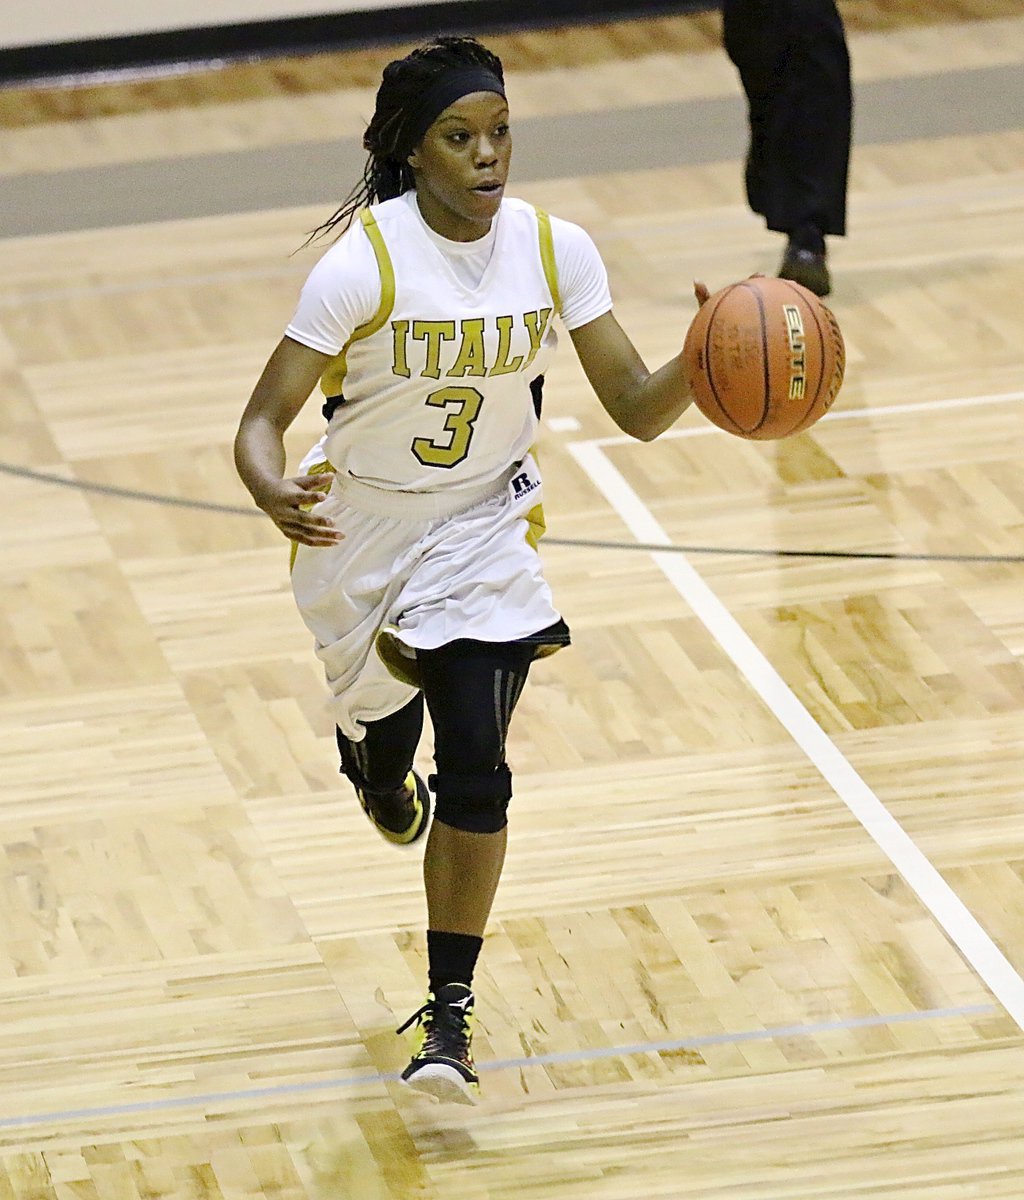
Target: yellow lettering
[[536, 326], [400, 362], [503, 365], [462, 407], [470, 360], [797, 353], [434, 333]]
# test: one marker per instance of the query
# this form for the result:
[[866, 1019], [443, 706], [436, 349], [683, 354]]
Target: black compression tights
[[381, 761], [471, 689]]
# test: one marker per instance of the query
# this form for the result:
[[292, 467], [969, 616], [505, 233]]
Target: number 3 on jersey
[[462, 405]]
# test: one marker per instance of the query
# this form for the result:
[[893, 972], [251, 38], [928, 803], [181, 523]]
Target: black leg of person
[[471, 690], [794, 66], [393, 795]]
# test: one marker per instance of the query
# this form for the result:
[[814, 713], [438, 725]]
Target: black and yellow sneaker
[[401, 816], [442, 1065]]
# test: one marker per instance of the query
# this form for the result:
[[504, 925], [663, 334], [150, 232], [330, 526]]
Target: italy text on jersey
[[470, 334]]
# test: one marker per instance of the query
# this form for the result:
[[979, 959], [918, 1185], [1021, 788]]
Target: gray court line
[[233, 510], [376, 1079], [755, 552], [644, 137], [696, 223], [108, 489]]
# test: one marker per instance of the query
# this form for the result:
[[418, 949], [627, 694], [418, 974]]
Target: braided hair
[[387, 173]]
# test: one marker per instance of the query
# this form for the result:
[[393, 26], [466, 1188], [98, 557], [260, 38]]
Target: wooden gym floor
[[760, 930]]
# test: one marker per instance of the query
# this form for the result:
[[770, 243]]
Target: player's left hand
[[287, 502]]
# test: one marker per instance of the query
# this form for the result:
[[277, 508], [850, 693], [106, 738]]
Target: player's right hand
[[287, 503]]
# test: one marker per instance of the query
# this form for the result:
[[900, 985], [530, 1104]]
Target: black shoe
[[400, 817], [442, 1065], [806, 267]]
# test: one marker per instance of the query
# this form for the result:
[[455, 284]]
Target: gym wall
[[68, 37]]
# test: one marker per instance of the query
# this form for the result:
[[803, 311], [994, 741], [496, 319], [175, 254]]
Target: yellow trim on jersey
[[391, 652], [332, 381], [387, 277], [536, 526], [547, 257], [536, 523]]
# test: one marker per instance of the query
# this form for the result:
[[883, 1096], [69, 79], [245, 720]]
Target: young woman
[[428, 326]]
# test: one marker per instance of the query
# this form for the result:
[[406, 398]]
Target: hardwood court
[[704, 977]]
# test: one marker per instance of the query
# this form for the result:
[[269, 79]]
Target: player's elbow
[[645, 433], [641, 424], [632, 416]]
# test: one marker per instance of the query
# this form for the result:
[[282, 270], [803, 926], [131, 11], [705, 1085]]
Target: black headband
[[445, 90]]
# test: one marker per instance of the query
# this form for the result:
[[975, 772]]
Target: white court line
[[841, 414], [935, 894]]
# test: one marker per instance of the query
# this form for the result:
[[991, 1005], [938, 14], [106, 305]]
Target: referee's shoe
[[400, 816], [442, 1064]]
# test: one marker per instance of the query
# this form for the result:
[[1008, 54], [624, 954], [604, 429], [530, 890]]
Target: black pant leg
[[813, 123], [751, 34], [795, 70]]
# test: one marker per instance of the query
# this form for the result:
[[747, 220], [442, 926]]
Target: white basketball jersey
[[436, 385]]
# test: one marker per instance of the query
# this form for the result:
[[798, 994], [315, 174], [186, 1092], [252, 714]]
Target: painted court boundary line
[[959, 924], [375, 1079], [841, 414]]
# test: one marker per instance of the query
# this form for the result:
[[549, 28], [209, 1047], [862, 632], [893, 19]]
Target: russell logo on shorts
[[523, 485]]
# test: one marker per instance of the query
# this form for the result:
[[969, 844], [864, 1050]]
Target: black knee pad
[[474, 803]]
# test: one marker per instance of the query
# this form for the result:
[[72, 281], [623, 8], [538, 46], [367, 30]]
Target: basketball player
[[429, 325]]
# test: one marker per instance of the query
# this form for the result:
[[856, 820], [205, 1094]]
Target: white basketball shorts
[[412, 574]]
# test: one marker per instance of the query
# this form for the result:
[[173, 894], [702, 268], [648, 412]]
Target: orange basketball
[[764, 358]]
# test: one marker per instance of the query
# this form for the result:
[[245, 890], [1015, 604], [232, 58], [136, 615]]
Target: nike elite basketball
[[764, 358]]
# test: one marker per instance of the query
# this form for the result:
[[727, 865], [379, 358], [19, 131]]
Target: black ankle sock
[[808, 237], [452, 957]]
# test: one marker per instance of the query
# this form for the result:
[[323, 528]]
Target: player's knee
[[472, 747], [474, 803]]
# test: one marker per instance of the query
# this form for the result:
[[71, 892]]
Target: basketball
[[764, 358]]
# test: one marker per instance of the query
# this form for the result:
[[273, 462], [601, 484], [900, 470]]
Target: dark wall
[[299, 35]]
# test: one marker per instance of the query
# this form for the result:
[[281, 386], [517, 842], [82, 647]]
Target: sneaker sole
[[442, 1083]]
